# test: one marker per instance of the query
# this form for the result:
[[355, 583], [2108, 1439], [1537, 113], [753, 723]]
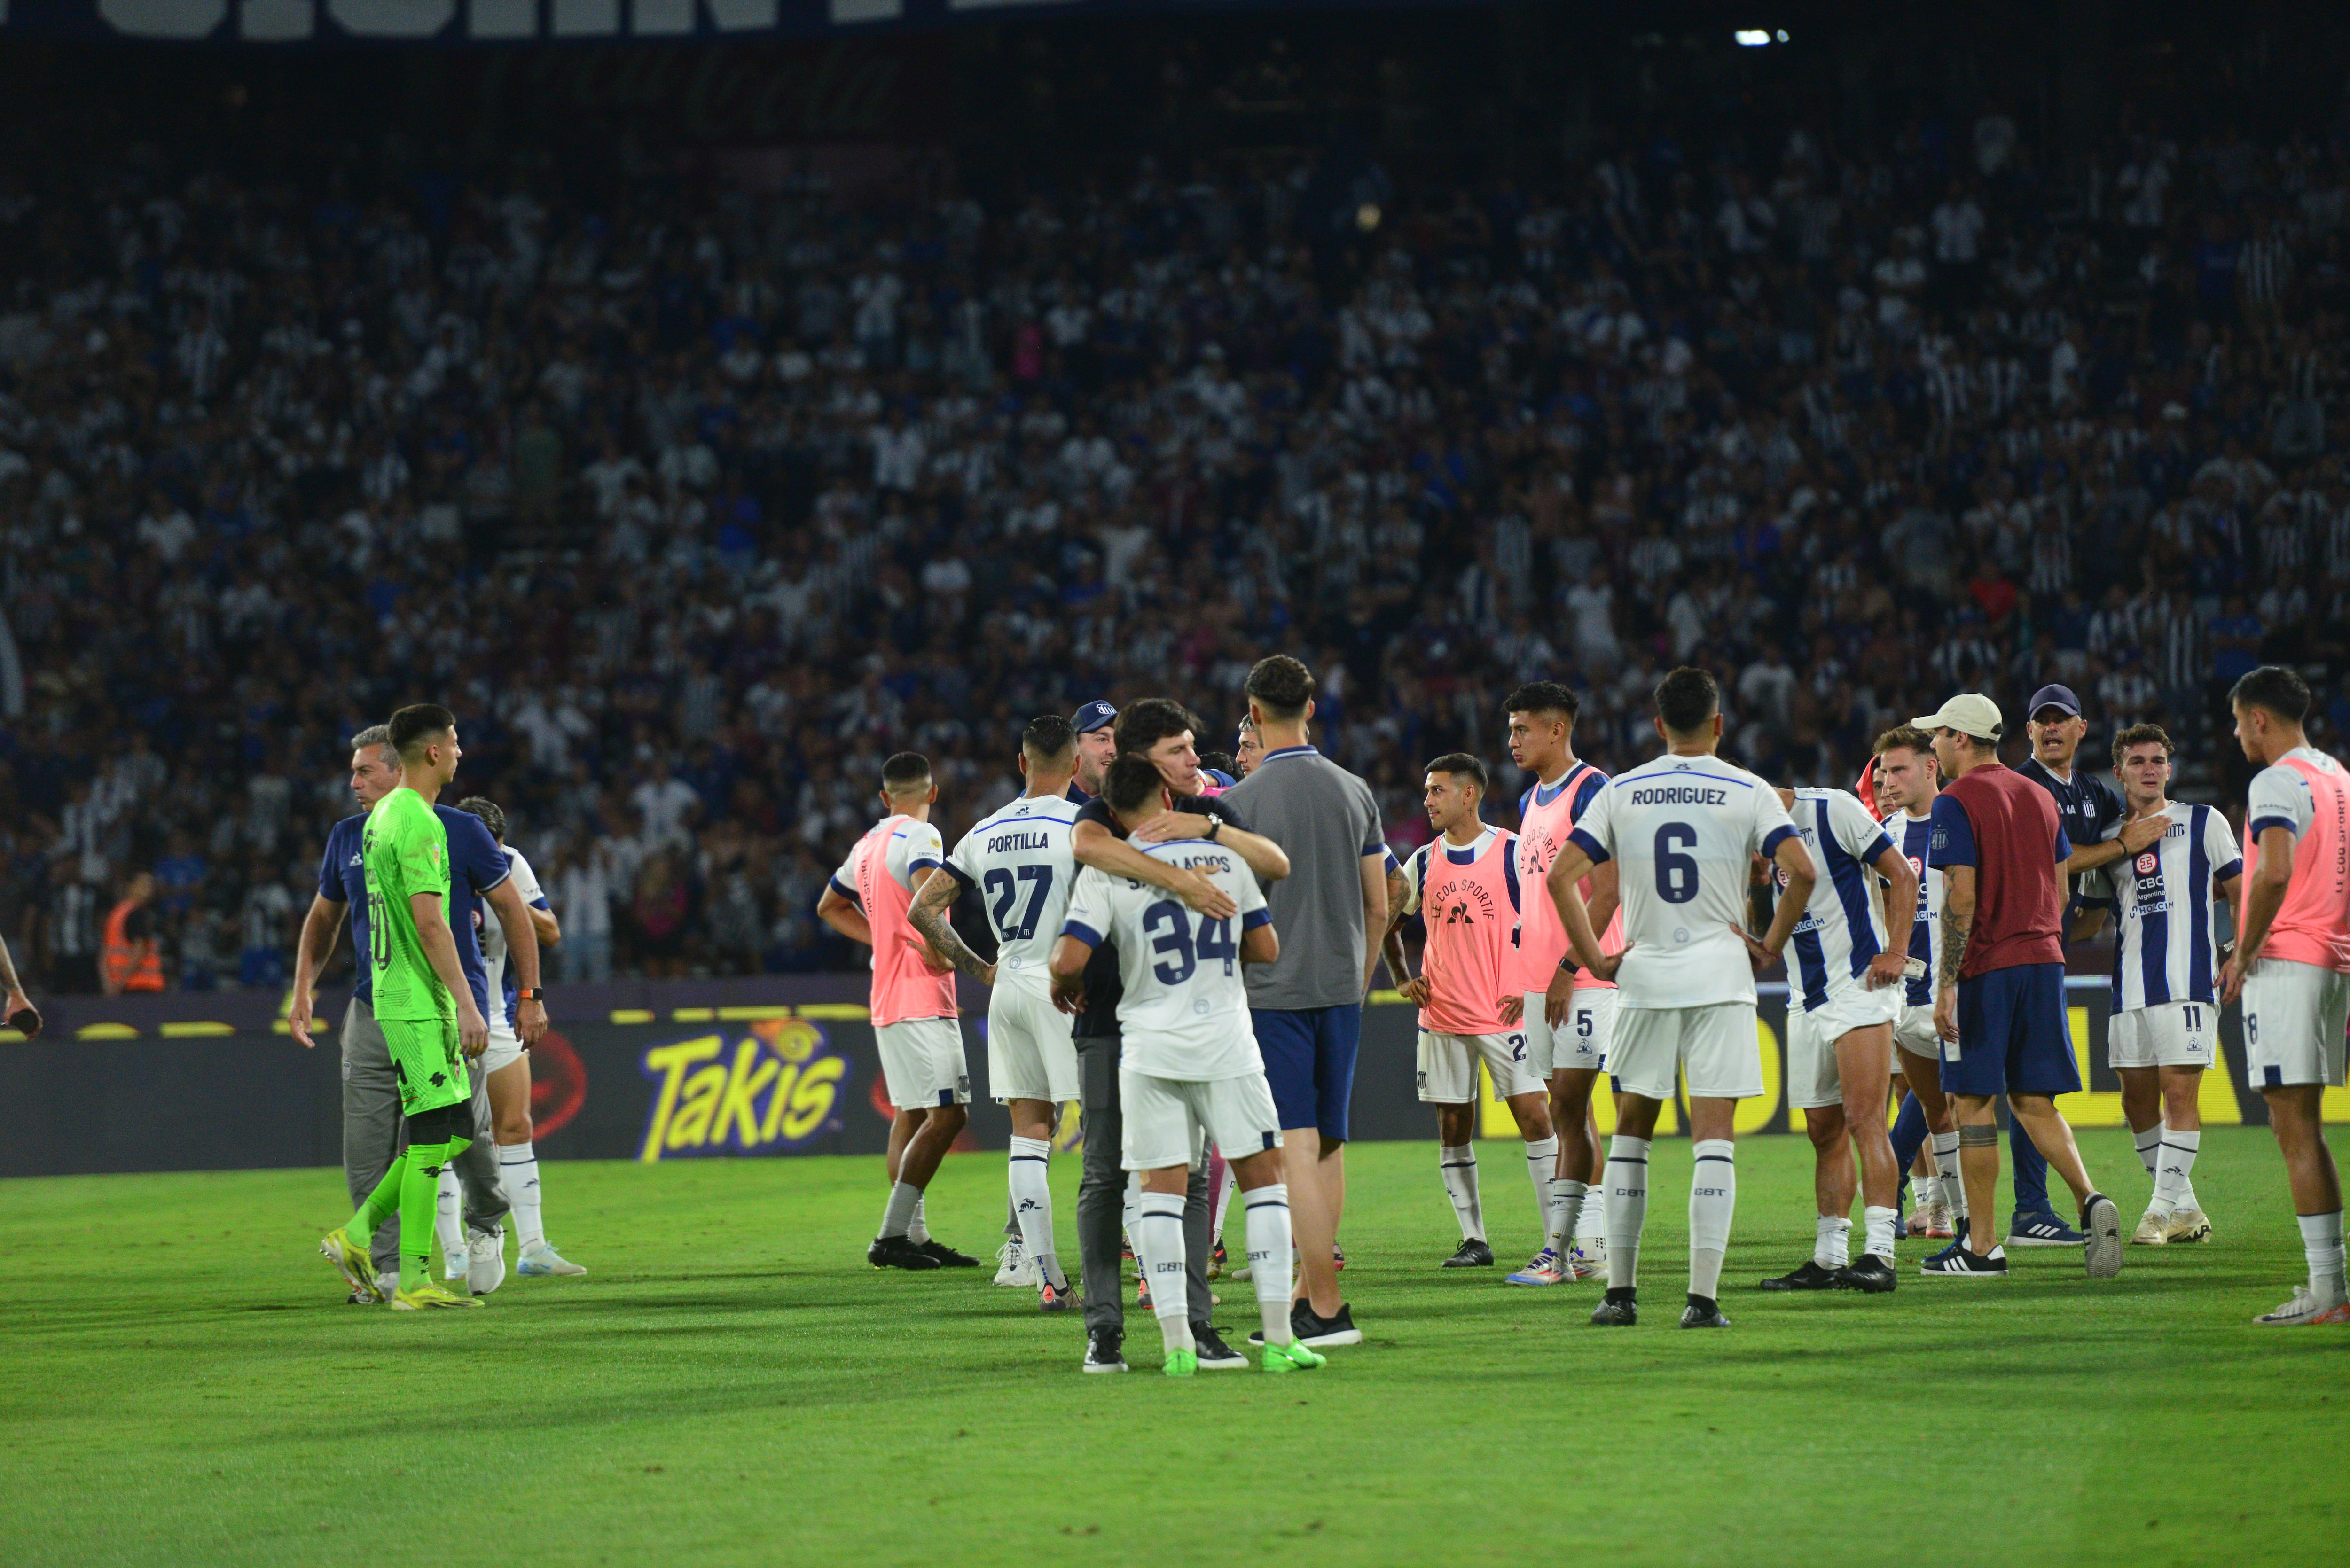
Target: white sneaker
[[1014, 1269], [1589, 1256], [2190, 1225], [2153, 1229], [1931, 1221], [2304, 1308], [485, 1263], [542, 1260]]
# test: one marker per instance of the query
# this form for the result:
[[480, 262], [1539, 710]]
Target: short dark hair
[[1904, 737], [1219, 761], [1130, 780], [1048, 738], [1686, 699], [902, 773], [2275, 689], [2138, 736], [1461, 765], [1282, 686], [1142, 725], [417, 723], [1545, 697], [492, 815]]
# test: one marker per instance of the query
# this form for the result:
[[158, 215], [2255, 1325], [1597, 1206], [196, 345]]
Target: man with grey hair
[[371, 1105]]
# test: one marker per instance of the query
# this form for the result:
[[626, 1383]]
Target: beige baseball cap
[[1969, 712]]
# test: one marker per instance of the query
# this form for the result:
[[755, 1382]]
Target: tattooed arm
[[928, 915], [1958, 925]]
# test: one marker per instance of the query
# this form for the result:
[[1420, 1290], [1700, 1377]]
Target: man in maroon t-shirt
[[1999, 1000]]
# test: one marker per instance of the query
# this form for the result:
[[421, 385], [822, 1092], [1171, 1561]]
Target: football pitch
[[732, 1385]]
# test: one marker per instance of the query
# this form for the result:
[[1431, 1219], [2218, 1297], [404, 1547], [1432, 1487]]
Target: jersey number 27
[[1002, 887]]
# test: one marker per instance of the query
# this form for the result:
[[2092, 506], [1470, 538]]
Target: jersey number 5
[[1168, 924], [1675, 872], [1003, 889]]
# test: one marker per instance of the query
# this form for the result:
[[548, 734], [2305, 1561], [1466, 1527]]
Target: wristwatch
[[1215, 825], [531, 994]]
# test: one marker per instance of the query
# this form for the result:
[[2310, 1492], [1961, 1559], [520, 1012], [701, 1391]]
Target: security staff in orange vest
[[127, 959]]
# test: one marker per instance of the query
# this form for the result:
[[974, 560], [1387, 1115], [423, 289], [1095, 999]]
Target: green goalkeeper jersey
[[406, 852]]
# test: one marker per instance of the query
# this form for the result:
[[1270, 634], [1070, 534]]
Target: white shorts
[[1030, 1055], [1914, 1031], [2168, 1035], [1717, 1046], [505, 1049], [921, 1060], [1580, 1041], [1168, 1118], [1448, 1066], [1814, 1079], [2295, 1015]]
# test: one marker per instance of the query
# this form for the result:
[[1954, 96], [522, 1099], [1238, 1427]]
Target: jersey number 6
[[1675, 872]]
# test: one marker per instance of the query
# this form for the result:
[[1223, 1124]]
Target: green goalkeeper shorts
[[425, 1057]]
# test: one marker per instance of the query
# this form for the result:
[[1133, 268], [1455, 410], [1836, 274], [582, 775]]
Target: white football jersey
[[1019, 860], [1912, 835], [1684, 832], [2168, 949], [493, 933], [1843, 925], [1185, 1013]]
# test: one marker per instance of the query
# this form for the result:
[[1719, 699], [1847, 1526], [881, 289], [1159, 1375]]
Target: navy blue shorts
[[1309, 1060], [2013, 1035]]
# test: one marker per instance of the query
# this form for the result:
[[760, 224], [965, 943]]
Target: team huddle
[[1186, 953]]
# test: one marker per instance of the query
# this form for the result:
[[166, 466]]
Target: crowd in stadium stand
[[695, 504]]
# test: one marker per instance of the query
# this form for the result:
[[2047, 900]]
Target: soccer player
[[507, 1063], [916, 1026], [1848, 983], [1685, 829], [1907, 780], [2291, 962], [1567, 1013], [431, 1026], [1999, 994], [1247, 751], [2165, 1021], [1019, 859], [1307, 1006], [1466, 885], [1189, 1065]]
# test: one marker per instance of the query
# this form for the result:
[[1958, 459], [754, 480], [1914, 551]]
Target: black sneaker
[[897, 1252], [1472, 1254], [1619, 1308], [1215, 1355], [1872, 1275], [947, 1257], [1102, 1348], [1703, 1311], [1955, 1263], [1316, 1330], [1809, 1277]]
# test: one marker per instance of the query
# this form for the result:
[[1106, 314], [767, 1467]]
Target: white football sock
[[1831, 1244], [2321, 1239], [518, 1174], [1877, 1226], [1223, 1199], [1590, 1233], [1565, 1210], [918, 1230], [1134, 1212], [1269, 1242], [2174, 1175], [2149, 1143], [1926, 1191], [1458, 1168], [1713, 1198], [1031, 1199], [1946, 1161], [1542, 1164], [1625, 1203], [449, 1220], [1159, 1247], [900, 1213]]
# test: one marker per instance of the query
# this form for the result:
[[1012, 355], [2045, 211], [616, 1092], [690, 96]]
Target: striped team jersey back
[[1911, 836], [1843, 925], [2168, 949], [1468, 897]]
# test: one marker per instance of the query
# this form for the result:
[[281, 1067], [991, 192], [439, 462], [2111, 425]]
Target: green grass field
[[732, 1385]]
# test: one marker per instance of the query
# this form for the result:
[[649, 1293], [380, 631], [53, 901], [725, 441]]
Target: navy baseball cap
[[1095, 715], [2059, 697]]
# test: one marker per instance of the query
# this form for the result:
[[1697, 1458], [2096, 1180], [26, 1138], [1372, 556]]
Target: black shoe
[[1215, 1355], [946, 1256], [1316, 1330], [1703, 1311], [1472, 1254], [1102, 1348], [897, 1252], [1617, 1309], [1872, 1275], [1809, 1277]]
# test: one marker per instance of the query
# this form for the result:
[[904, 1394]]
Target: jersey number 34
[[1168, 924]]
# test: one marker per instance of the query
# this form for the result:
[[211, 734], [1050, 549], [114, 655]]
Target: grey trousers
[[1101, 1198], [372, 1126]]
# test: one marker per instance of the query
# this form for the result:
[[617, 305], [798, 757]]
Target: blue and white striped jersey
[[1842, 926], [1019, 859], [2168, 948], [1911, 836]]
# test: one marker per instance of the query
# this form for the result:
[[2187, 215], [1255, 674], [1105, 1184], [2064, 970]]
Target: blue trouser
[[1909, 1136]]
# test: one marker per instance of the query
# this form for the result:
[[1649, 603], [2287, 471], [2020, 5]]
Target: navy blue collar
[[1467, 856], [1288, 752], [1564, 780]]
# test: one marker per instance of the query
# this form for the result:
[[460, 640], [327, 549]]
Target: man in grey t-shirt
[[1307, 1005]]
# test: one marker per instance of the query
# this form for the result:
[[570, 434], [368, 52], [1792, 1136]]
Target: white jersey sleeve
[[1415, 872], [525, 880], [1019, 862], [913, 846], [2279, 798], [2220, 848]]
